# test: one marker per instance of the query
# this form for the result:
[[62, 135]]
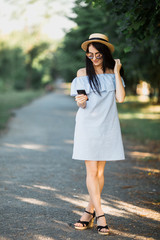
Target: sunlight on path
[[41, 237], [121, 209], [131, 236]]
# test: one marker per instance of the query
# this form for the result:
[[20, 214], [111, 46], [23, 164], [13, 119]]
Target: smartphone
[[82, 91]]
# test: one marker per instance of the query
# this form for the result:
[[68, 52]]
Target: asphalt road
[[43, 192]]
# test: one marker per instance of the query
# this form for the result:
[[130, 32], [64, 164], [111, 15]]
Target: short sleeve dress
[[97, 135]]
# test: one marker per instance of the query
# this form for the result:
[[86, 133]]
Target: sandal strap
[[84, 223], [93, 214], [100, 216], [99, 228]]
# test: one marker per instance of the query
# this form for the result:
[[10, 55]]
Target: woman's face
[[95, 56]]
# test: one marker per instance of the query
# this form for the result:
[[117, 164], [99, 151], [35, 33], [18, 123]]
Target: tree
[[26, 61], [12, 67], [33, 64]]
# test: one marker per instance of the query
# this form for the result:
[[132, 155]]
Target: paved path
[[42, 190]]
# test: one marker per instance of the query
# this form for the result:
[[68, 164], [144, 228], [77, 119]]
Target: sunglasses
[[91, 55]]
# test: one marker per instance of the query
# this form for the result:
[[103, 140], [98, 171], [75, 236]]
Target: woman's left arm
[[120, 91]]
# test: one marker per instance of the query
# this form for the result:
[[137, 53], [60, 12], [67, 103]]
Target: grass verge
[[140, 121], [13, 99]]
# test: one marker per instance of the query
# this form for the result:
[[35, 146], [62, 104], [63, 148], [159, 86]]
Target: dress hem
[[99, 160]]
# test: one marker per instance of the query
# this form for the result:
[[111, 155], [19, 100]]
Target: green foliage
[[35, 64], [139, 18], [12, 67], [25, 62]]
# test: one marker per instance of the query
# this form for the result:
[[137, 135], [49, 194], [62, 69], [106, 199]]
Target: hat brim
[[85, 44]]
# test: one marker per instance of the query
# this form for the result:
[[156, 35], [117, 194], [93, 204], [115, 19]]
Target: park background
[[39, 56]]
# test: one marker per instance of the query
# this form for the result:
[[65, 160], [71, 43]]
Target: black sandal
[[86, 224], [99, 228]]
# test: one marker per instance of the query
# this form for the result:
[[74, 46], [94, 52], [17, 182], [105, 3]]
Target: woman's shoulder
[[81, 72]]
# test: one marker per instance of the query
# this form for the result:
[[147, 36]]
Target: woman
[[97, 136]]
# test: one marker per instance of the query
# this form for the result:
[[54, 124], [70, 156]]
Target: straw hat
[[97, 37]]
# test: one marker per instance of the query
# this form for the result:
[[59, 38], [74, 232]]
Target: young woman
[[97, 136]]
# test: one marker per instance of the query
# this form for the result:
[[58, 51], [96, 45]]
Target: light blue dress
[[97, 134]]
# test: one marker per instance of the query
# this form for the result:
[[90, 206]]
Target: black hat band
[[98, 39]]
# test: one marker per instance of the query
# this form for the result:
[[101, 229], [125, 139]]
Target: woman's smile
[[97, 62]]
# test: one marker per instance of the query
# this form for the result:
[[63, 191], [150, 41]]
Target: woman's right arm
[[81, 98]]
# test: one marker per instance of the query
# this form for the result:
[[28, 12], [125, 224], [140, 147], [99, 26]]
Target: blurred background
[[40, 51]]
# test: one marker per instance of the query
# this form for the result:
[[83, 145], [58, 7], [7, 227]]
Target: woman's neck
[[99, 70]]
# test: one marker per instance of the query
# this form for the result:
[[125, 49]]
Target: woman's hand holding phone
[[81, 100]]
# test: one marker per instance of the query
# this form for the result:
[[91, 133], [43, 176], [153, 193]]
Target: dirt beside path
[[43, 192]]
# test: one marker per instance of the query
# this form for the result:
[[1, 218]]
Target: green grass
[[139, 120], [13, 99]]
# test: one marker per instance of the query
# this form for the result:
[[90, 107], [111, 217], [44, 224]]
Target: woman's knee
[[92, 173], [100, 170], [100, 173], [92, 169]]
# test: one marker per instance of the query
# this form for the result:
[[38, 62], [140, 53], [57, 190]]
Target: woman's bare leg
[[100, 166], [86, 216], [95, 183]]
